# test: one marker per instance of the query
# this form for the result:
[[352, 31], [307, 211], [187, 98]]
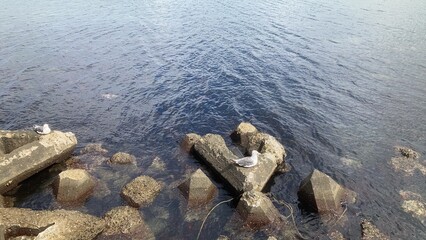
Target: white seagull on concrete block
[[42, 129], [248, 161]]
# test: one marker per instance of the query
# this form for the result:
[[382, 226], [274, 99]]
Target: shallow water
[[330, 79]]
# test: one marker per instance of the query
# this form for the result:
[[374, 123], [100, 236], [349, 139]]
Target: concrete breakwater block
[[73, 185], [24, 153], [256, 209], [198, 189], [212, 149], [141, 191]]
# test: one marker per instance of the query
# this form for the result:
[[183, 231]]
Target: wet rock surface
[[49, 225], [141, 191], [414, 204], [189, 140], [122, 158], [256, 209], [73, 185], [371, 232], [407, 162], [198, 189], [36, 154], [126, 221]]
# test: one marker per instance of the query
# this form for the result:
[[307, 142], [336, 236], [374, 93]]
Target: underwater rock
[[94, 148], [212, 149], [73, 185], [122, 158], [141, 191], [407, 165], [26, 154], [318, 192], [189, 140], [371, 232], [407, 152], [128, 221], [256, 209], [336, 235], [414, 204], [198, 189], [49, 225]]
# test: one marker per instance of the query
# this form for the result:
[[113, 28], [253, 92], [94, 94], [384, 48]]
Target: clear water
[[329, 79]]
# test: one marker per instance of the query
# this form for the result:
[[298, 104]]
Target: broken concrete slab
[[256, 209], [37, 153], [141, 191], [212, 149], [73, 185], [198, 189], [49, 225], [318, 192]]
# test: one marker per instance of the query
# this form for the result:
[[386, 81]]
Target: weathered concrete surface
[[371, 232], [213, 150], [122, 158], [50, 225], [189, 140], [73, 185], [198, 189], [320, 193], [256, 209], [251, 139], [30, 158], [2, 203], [141, 191], [11, 140], [126, 221]]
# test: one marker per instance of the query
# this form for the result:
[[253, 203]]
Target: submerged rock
[[371, 232], [73, 185], [26, 154], [407, 152], [94, 148], [198, 189], [49, 225], [126, 221], [141, 191], [318, 192], [123, 158], [407, 165], [414, 204]]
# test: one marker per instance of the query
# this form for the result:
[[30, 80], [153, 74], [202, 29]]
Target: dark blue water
[[329, 79]]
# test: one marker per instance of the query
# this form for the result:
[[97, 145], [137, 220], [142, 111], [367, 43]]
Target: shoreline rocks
[[256, 209], [141, 191], [73, 185]]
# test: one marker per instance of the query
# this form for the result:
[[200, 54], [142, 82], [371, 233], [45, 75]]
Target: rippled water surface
[[332, 80]]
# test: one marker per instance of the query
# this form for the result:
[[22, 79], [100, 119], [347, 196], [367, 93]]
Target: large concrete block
[[256, 209], [141, 191], [73, 185], [198, 189], [212, 149], [25, 154]]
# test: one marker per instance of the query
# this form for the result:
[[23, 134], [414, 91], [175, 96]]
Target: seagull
[[43, 130], [248, 161]]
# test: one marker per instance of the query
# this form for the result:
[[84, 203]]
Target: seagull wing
[[245, 162]]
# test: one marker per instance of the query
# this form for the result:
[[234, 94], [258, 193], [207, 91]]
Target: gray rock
[[371, 232], [198, 189], [189, 141], [128, 221], [213, 150], [30, 154], [257, 210], [49, 225], [122, 158], [320, 193], [141, 191], [73, 185]]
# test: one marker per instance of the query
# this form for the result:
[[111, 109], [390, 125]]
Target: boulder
[[198, 189], [93, 148], [141, 191], [73, 185], [256, 209], [212, 149], [320, 193], [26, 154], [122, 158], [251, 139], [126, 221], [371, 232], [189, 140], [49, 225]]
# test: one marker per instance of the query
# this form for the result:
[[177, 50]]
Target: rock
[[407, 165], [73, 185], [251, 139], [256, 209], [416, 207], [407, 152], [156, 166], [272, 238], [49, 225], [320, 193], [128, 221], [189, 141], [122, 158], [212, 149], [141, 191], [198, 189], [336, 235], [371, 232], [222, 237], [37, 153], [94, 148]]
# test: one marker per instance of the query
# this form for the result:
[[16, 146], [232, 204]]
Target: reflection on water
[[339, 83]]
